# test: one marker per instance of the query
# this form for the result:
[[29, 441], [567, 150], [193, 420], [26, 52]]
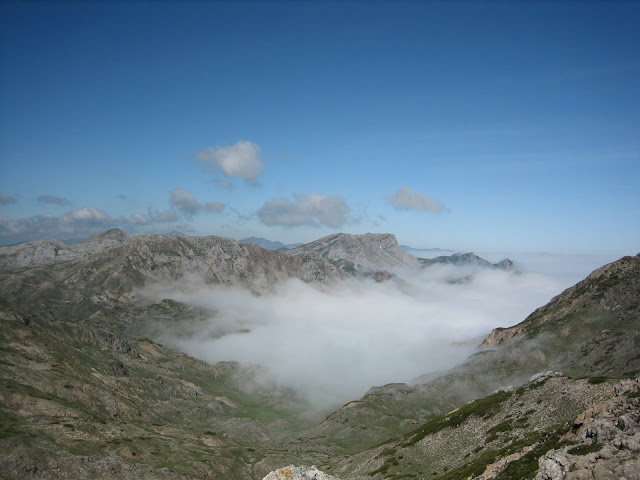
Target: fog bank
[[332, 344]]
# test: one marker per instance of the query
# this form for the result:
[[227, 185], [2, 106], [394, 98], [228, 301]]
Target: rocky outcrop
[[362, 253], [298, 473], [604, 444], [501, 336]]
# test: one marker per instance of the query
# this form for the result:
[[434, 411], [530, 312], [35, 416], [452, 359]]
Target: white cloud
[[242, 159], [312, 209], [406, 199], [333, 344], [87, 216]]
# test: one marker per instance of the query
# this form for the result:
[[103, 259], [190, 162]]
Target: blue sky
[[455, 125]]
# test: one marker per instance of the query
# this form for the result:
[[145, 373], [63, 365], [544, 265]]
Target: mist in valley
[[333, 343]]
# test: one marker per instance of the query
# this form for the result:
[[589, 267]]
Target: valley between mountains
[[96, 382]]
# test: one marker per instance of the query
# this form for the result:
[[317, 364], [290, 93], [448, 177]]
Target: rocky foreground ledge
[[298, 473]]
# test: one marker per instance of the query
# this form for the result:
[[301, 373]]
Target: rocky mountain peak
[[468, 259], [365, 252]]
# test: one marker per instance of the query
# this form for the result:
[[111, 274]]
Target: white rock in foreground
[[298, 473]]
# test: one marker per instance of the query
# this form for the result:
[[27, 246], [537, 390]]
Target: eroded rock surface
[[298, 473], [608, 436]]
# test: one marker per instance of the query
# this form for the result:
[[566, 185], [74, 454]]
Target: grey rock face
[[609, 442], [363, 253], [298, 473]]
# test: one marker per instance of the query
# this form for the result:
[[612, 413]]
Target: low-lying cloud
[[312, 209], [406, 199], [333, 344]]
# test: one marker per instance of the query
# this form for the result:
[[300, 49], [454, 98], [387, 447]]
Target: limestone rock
[[370, 252], [298, 473], [609, 436]]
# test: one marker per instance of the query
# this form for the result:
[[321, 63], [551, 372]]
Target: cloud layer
[[406, 199], [312, 209], [332, 345], [243, 159]]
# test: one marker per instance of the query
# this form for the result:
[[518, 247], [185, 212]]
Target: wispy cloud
[[312, 209], [139, 219], [187, 204], [166, 216], [73, 224], [224, 184], [7, 199], [214, 207], [243, 160], [53, 200], [406, 199]]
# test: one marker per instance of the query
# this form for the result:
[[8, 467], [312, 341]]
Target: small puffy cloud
[[185, 202], [87, 216], [407, 199], [214, 207], [242, 159], [6, 199], [53, 200], [312, 209]]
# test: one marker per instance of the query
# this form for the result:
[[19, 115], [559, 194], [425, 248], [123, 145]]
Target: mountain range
[[85, 393], [269, 244]]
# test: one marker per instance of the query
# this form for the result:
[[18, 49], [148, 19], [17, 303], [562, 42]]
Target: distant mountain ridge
[[470, 259], [50, 251], [269, 244], [368, 252], [118, 264]]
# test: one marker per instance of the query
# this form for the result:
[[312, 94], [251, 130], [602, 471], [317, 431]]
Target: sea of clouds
[[331, 344]]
